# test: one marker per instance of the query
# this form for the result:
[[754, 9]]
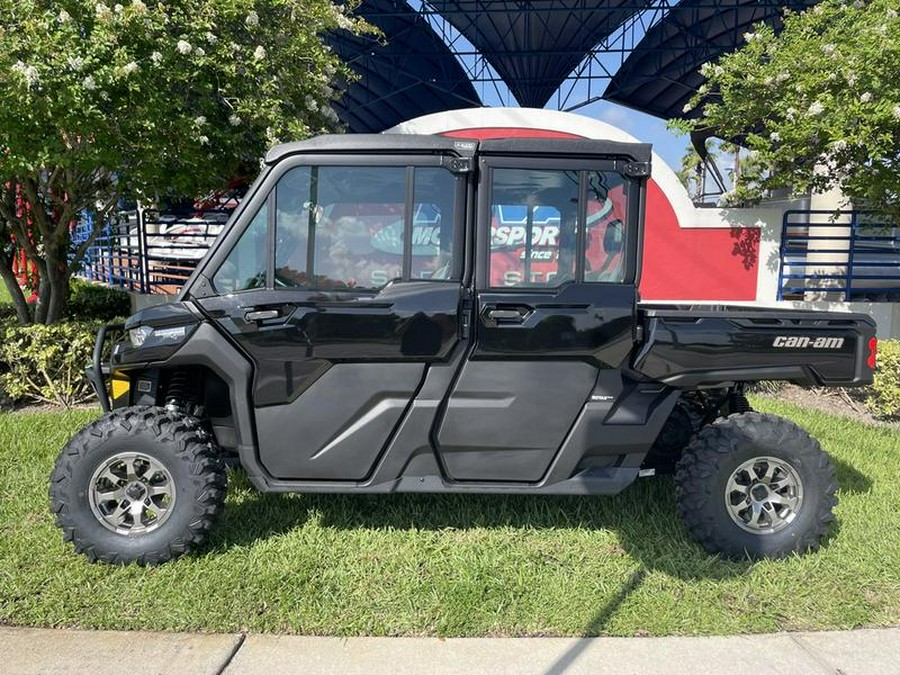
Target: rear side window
[[550, 227], [533, 225], [245, 266]]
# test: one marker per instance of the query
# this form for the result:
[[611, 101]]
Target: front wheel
[[756, 485], [138, 485]]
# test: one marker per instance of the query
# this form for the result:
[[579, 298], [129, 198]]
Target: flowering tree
[[103, 101], [819, 104]]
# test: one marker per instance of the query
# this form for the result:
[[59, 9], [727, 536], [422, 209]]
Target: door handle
[[505, 314], [260, 314], [493, 315]]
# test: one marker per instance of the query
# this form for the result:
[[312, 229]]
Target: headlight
[[148, 336], [139, 335]]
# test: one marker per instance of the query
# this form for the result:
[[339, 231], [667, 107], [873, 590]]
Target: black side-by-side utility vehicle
[[422, 314]]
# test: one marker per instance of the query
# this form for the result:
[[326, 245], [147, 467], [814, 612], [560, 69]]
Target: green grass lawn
[[457, 565]]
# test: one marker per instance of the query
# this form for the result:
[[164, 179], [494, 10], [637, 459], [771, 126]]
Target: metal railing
[[843, 255], [147, 252]]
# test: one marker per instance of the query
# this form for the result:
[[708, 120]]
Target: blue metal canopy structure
[[663, 72], [449, 54], [411, 72]]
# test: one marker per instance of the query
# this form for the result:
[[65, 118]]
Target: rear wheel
[[756, 485], [138, 485]]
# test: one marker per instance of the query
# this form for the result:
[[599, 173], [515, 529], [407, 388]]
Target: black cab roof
[[430, 144]]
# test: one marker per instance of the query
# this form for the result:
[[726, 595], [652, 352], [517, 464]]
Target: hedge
[[45, 364], [883, 397]]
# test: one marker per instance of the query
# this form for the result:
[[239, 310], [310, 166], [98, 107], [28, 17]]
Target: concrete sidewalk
[[25, 651]]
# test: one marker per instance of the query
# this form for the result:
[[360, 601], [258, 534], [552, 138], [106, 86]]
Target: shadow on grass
[[599, 621], [644, 517], [849, 478]]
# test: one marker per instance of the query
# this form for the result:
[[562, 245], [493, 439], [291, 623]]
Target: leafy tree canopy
[[819, 104], [104, 100]]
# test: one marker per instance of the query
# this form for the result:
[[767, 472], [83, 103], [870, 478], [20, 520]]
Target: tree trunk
[[59, 291], [23, 315], [54, 283], [44, 291]]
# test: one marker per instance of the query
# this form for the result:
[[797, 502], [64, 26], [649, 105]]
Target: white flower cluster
[[138, 6], [896, 112], [774, 137], [199, 51], [200, 120], [211, 38], [156, 57], [866, 97], [828, 48], [839, 146], [259, 53], [30, 73], [790, 114], [252, 20], [710, 70], [130, 68], [118, 9], [63, 16], [183, 47], [340, 18], [75, 62], [892, 13], [816, 109], [234, 120], [88, 83], [102, 11]]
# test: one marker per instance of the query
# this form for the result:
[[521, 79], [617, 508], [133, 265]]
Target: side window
[[344, 227], [607, 212], [534, 215], [294, 197], [434, 222], [359, 231], [245, 266]]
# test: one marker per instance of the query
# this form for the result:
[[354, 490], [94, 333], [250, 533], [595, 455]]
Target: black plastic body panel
[[590, 322], [405, 322], [697, 347], [505, 420], [345, 419]]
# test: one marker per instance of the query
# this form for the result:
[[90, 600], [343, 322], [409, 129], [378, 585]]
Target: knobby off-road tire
[[138, 485], [755, 485]]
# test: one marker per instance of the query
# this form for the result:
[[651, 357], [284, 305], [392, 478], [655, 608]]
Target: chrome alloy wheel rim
[[763, 495], [132, 493]]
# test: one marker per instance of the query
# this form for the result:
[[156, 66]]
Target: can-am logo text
[[803, 342]]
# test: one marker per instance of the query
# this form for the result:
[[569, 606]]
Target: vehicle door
[[341, 281], [555, 291]]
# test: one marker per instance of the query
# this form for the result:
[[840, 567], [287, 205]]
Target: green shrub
[[45, 364], [883, 398], [92, 302]]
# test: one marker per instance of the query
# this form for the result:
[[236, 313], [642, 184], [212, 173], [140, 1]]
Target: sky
[[645, 128]]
